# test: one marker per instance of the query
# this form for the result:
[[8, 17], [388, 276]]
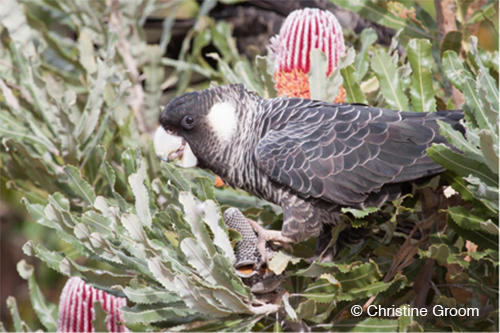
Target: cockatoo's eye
[[188, 122]]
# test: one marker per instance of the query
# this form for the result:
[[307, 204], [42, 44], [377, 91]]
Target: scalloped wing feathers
[[346, 153]]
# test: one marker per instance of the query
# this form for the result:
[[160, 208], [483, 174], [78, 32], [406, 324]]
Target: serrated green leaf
[[150, 295], [440, 253], [130, 161], [108, 171], [460, 164], [213, 219], [488, 195], [490, 227], [422, 90], [53, 218], [456, 139], [487, 144], [335, 80], [229, 300], [174, 175], [81, 188], [134, 227], [306, 309], [317, 75], [135, 263], [266, 79], [484, 12], [390, 84], [361, 62], [154, 73], [93, 276], [316, 269], [70, 148], [288, 308], [360, 276], [11, 129], [40, 100], [246, 76], [407, 323], [193, 218], [47, 312], [52, 259], [91, 112], [474, 235], [375, 13], [96, 243], [465, 219], [483, 119], [351, 85], [324, 290], [19, 325], [365, 291], [367, 325], [162, 274], [151, 314], [38, 171], [185, 66], [206, 267], [141, 195], [229, 75], [197, 300], [86, 48], [100, 317], [360, 213], [100, 223], [454, 70], [488, 82], [489, 111], [236, 283], [205, 188], [280, 261]]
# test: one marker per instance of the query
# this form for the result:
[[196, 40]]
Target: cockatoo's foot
[[265, 235]]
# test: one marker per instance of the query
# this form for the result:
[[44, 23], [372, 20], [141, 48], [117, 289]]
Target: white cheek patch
[[222, 119]]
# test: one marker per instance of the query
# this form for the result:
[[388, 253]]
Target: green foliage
[[75, 124]]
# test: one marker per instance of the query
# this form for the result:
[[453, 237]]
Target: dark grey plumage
[[309, 157]]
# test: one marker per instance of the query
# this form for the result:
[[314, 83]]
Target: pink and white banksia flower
[[76, 308], [302, 31]]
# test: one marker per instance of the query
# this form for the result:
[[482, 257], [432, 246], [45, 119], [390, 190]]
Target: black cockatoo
[[310, 157]]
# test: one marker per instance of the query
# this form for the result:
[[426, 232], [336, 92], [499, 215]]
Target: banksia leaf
[[303, 31], [79, 185], [422, 92], [390, 82], [454, 69], [47, 312], [19, 325], [76, 308], [351, 84]]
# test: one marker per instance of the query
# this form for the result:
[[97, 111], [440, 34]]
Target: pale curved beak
[[170, 147]]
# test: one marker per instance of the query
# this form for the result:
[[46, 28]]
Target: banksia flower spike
[[76, 308], [302, 31]]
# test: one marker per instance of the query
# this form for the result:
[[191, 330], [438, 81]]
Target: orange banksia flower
[[219, 182], [302, 31], [76, 308]]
